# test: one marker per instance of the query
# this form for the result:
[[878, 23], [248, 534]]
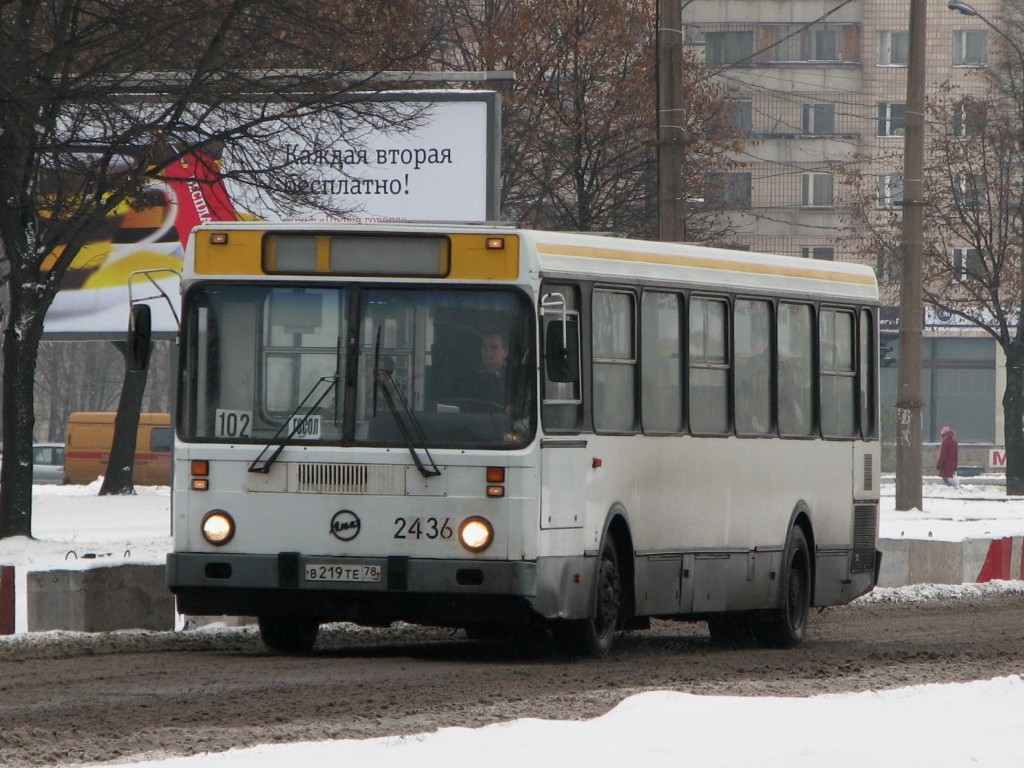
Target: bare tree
[[974, 227], [75, 376], [578, 138], [974, 264], [98, 99]]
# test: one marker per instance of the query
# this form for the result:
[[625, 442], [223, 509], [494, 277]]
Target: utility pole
[[909, 396], [671, 211]]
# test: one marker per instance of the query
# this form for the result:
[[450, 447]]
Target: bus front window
[[453, 367], [251, 354], [461, 364]]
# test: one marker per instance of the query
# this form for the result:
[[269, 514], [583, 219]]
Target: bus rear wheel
[[786, 626], [288, 634]]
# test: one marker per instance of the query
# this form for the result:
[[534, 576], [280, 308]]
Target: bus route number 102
[[232, 423]]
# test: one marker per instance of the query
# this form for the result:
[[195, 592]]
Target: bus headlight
[[218, 527], [476, 534]]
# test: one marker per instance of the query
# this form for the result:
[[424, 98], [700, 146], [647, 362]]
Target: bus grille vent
[[386, 479], [869, 475], [865, 524]]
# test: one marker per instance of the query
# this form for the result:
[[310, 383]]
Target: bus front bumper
[[379, 590]]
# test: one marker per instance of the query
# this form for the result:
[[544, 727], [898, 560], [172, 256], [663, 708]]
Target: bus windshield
[[355, 365]]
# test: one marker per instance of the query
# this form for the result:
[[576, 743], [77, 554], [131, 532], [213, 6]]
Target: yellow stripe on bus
[[705, 262]]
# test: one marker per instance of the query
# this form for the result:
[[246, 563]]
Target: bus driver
[[488, 383]]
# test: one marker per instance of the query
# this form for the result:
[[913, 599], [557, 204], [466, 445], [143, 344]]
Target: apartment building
[[820, 89]]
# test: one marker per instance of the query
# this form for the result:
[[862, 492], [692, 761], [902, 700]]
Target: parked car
[[48, 463]]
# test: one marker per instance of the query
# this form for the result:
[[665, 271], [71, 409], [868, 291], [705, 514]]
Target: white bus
[[494, 428]]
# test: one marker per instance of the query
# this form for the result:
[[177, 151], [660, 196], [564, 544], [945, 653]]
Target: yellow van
[[91, 434]]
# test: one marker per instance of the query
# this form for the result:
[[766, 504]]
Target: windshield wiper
[[384, 380], [263, 462]]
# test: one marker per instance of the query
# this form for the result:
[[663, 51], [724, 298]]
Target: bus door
[[564, 462]]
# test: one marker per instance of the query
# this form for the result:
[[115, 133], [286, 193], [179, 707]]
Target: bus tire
[[786, 626], [595, 636], [288, 634]]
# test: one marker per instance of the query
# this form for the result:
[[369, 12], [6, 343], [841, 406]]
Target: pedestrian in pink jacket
[[948, 457]]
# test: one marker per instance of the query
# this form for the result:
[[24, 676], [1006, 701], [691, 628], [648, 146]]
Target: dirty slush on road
[[76, 698]]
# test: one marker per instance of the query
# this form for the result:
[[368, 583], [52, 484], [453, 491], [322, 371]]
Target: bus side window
[[562, 403], [562, 351], [795, 367]]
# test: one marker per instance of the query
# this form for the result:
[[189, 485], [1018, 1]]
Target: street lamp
[[967, 10]]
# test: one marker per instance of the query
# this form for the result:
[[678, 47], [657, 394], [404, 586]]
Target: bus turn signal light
[[200, 474], [495, 480]]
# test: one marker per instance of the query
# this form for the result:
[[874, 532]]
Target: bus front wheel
[[785, 626], [594, 637], [288, 634]]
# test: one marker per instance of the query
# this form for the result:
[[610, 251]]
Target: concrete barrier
[[909, 561], [100, 599]]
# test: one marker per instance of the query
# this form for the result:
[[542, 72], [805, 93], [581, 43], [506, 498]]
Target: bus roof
[[700, 265], [596, 256]]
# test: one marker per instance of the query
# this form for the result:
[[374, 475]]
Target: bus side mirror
[[562, 358], [140, 337]]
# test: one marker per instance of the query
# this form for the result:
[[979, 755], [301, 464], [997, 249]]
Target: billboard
[[442, 166]]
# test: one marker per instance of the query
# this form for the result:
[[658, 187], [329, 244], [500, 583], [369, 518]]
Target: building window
[[889, 264], [819, 119], [723, 49], [970, 48], [819, 252], [823, 44], [890, 190], [741, 116], [968, 119], [967, 263], [892, 118], [893, 48], [817, 190], [729, 191], [969, 191], [783, 43]]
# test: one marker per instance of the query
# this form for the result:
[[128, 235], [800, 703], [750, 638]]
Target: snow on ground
[[941, 726], [978, 509]]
